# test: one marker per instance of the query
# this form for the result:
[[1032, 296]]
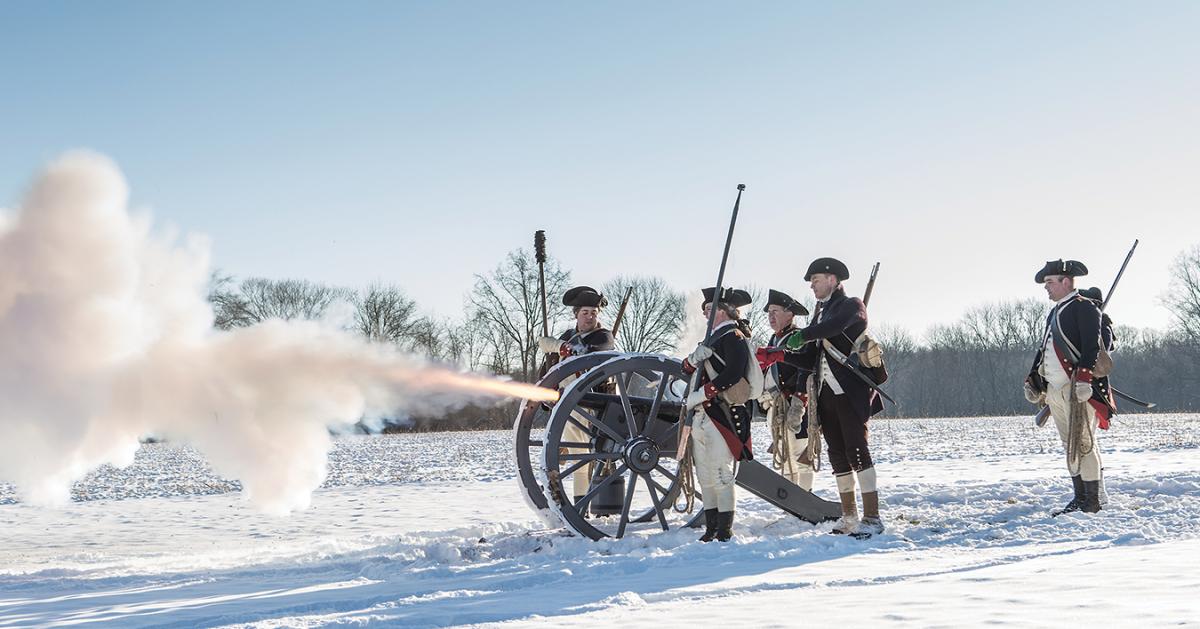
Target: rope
[[781, 458], [1080, 435], [687, 482], [814, 422]]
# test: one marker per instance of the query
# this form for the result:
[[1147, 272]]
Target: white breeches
[[1088, 466], [579, 478], [799, 473], [714, 464]]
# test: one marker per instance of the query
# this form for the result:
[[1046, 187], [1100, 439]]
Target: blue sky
[[961, 144]]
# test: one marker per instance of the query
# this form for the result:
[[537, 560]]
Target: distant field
[[165, 469]]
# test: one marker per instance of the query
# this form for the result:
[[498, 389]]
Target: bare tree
[[429, 338], [1183, 298], [1014, 324], [385, 314], [507, 305], [756, 316], [654, 317], [258, 299], [225, 300], [466, 343], [895, 339]]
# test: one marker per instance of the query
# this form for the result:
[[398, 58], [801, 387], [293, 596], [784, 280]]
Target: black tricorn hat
[[785, 301], [1070, 268], [1094, 293], [828, 265], [584, 297], [735, 297]]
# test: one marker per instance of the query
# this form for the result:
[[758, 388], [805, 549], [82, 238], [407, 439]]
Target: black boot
[[1076, 502], [724, 526], [710, 525], [1091, 496]]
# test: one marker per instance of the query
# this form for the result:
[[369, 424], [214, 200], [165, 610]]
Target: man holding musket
[[784, 392], [721, 421], [844, 402], [585, 337], [1069, 376]]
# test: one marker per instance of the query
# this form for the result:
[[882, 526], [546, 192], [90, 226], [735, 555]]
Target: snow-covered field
[[430, 530]]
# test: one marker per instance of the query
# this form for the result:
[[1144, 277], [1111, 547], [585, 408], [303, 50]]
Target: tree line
[[973, 366]]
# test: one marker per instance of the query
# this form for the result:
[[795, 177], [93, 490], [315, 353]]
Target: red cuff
[[1083, 375], [688, 368], [768, 356], [710, 390], [564, 350]]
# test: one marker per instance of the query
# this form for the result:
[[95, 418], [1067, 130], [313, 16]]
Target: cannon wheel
[[633, 435], [533, 415]]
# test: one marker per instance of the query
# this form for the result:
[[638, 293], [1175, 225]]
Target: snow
[[431, 530]]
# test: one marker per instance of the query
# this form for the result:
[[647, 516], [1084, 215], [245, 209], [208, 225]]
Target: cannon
[[618, 418]]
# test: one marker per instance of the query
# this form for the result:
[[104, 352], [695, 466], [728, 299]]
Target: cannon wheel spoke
[[674, 479], [652, 416], [589, 456], [628, 502], [587, 498], [584, 459], [650, 481], [665, 472], [601, 426], [630, 419], [654, 500]]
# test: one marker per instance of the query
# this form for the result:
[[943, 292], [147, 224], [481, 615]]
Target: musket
[[621, 311], [841, 359], [1119, 274], [685, 417], [870, 284], [1131, 399], [1039, 420]]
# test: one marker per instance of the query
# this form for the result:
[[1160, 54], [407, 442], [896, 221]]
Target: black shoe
[[724, 526], [710, 525], [1091, 497], [1077, 502]]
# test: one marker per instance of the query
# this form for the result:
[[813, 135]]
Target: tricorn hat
[[1094, 293], [735, 297], [584, 297], [828, 265], [1070, 268], [785, 301]]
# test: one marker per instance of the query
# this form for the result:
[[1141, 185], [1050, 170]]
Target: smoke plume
[[106, 336]]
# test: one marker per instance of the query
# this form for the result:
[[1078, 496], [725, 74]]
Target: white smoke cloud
[[105, 336], [694, 324]]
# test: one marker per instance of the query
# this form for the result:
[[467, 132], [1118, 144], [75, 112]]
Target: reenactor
[[844, 401], [721, 420], [585, 337], [784, 393], [1069, 375]]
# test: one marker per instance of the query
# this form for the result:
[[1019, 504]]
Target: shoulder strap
[[1060, 337]]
